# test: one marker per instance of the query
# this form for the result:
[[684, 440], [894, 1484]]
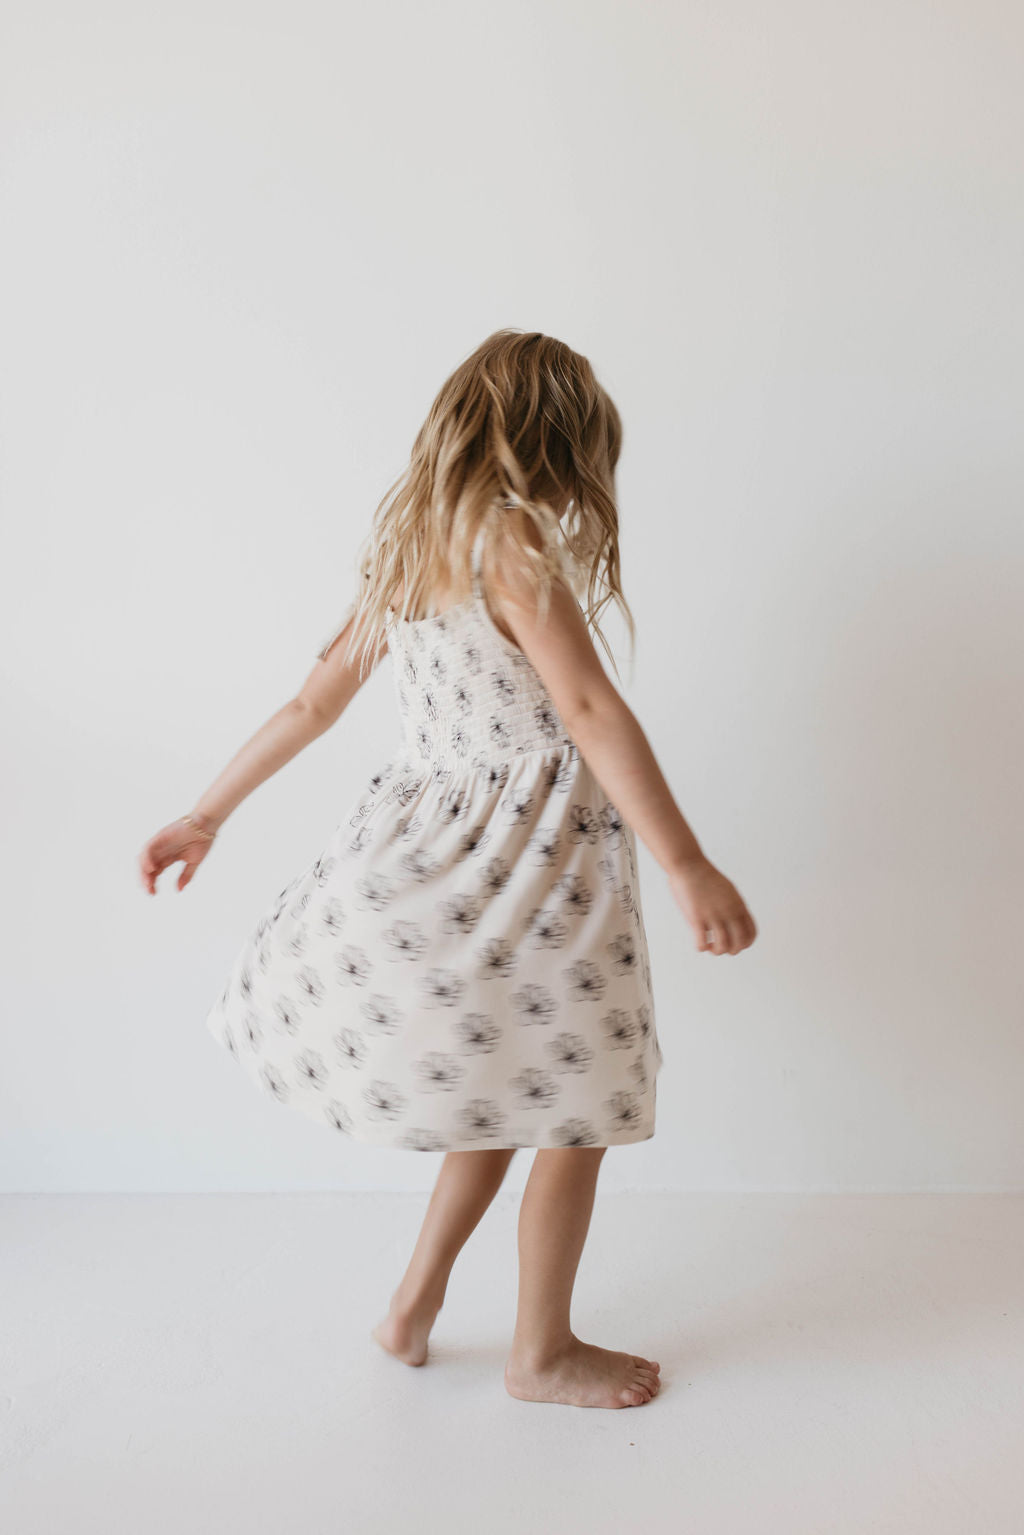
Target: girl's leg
[[466, 1184], [548, 1363]]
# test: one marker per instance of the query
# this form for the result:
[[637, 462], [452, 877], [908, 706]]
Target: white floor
[[198, 1363]]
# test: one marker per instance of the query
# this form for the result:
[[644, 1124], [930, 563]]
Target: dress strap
[[476, 558]]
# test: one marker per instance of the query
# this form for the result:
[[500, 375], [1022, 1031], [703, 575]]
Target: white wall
[[243, 245]]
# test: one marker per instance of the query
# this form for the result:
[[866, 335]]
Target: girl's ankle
[[540, 1353], [410, 1304]]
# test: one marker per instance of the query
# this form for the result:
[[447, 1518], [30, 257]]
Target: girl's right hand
[[713, 907], [177, 842]]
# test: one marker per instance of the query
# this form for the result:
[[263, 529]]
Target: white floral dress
[[465, 963]]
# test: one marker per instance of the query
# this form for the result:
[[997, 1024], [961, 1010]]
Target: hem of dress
[[395, 1143], [492, 1143]]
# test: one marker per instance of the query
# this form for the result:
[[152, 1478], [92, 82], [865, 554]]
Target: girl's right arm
[[613, 744], [322, 699]]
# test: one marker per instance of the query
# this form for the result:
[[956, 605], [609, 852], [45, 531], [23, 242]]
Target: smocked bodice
[[466, 696]]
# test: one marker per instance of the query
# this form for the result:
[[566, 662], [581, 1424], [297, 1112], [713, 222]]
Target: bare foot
[[583, 1375], [405, 1330]]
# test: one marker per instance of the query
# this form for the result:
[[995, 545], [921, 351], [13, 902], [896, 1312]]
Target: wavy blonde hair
[[520, 447]]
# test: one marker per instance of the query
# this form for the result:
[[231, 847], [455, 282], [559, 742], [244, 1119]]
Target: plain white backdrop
[[243, 246]]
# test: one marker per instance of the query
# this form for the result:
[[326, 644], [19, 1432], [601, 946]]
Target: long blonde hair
[[520, 448]]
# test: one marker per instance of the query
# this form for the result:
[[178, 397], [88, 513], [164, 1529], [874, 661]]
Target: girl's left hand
[[177, 842], [714, 908]]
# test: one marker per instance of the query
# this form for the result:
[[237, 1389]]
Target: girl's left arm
[[326, 693]]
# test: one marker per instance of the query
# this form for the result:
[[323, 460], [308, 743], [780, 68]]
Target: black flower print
[[287, 1014], [472, 657], [495, 876], [429, 703], [545, 929], [381, 1014], [477, 1034], [585, 981], [459, 914], [495, 776], [332, 916], [419, 865], [437, 1071], [542, 848], [274, 1082], [380, 778], [496, 959], [408, 827], [374, 891], [481, 1117], [582, 826], [535, 1088], [569, 1052], [438, 668], [547, 721], [534, 1004], [405, 790], [311, 1069], [227, 1039], [611, 824], [422, 1140], [351, 1047], [442, 988], [409, 666], [245, 982], [623, 1110], [503, 685], [294, 941], [310, 986], [643, 1021], [560, 775], [462, 698], [405, 940], [461, 740], [576, 895], [517, 805], [619, 1028], [252, 1031], [338, 1116], [383, 1100], [359, 842], [638, 1070], [609, 872], [323, 867], [454, 806], [623, 952], [425, 743], [352, 965], [574, 1132], [473, 841], [498, 733]]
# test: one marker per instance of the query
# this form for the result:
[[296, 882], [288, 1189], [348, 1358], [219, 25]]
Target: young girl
[[464, 967]]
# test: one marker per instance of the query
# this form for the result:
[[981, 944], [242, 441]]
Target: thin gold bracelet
[[188, 820]]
